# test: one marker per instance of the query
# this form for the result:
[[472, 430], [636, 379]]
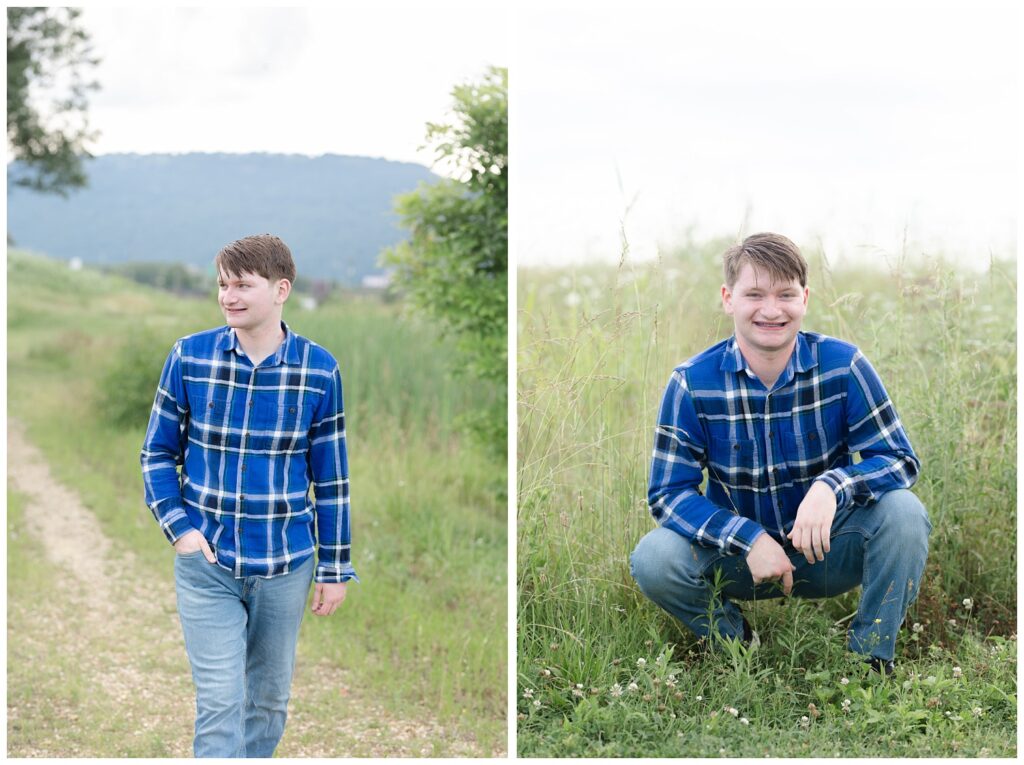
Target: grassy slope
[[426, 626], [596, 348]]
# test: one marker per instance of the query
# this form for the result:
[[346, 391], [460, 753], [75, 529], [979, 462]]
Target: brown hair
[[264, 254], [773, 253]]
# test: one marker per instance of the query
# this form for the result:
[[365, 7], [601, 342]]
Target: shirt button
[[291, 410], [251, 403], [813, 436], [775, 470], [736, 447], [243, 468]]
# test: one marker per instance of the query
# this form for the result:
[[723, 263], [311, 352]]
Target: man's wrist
[[835, 481]]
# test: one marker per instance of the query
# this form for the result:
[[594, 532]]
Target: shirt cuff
[[174, 521], [334, 574], [742, 535], [837, 480]]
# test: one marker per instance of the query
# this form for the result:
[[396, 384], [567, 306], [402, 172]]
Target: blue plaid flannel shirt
[[250, 444], [763, 449]]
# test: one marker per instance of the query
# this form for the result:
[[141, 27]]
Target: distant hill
[[335, 212]]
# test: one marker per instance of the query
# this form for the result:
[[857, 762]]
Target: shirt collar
[[733, 361], [287, 352]]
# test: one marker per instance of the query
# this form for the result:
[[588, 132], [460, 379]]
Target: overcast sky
[[848, 123], [360, 78]]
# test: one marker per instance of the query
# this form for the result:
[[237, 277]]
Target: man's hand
[[327, 597], [813, 526], [194, 540], [768, 561]]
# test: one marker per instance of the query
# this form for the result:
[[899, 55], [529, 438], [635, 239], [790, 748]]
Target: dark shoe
[[881, 666]]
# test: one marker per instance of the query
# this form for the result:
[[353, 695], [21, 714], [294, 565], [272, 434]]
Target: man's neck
[[260, 342], [767, 365]]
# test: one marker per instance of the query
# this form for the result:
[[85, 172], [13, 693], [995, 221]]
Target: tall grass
[[424, 632], [596, 347]]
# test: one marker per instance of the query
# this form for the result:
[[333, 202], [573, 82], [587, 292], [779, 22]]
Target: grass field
[[425, 630], [602, 672]]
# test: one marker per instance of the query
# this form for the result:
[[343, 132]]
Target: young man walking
[[775, 417], [252, 414]]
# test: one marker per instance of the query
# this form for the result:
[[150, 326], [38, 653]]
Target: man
[[252, 413], [775, 416]]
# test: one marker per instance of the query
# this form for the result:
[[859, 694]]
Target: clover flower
[[536, 703], [976, 712], [805, 721], [845, 681], [957, 672], [615, 690], [733, 711], [528, 693], [846, 705], [699, 697], [641, 662], [633, 687], [745, 721], [968, 604], [917, 627]]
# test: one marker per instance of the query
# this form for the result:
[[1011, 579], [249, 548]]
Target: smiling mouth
[[770, 324]]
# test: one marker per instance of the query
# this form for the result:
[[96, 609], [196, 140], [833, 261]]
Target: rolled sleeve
[[329, 465], [677, 465]]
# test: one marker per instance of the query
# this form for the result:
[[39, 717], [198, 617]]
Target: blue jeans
[[240, 636], [882, 547]]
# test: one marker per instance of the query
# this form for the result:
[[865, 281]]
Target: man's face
[[249, 301], [767, 315]]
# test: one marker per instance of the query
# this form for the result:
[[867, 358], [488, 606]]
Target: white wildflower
[[745, 721], [700, 698], [957, 672], [968, 604], [577, 693], [616, 690], [641, 662], [917, 627], [733, 711], [846, 705], [976, 711], [633, 687], [536, 703], [845, 681], [528, 693]]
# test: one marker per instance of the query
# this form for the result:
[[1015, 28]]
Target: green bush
[[127, 387]]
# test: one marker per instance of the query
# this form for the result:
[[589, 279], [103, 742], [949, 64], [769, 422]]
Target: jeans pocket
[[192, 554]]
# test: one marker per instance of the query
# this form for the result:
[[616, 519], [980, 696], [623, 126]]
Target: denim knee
[[903, 517], [654, 559]]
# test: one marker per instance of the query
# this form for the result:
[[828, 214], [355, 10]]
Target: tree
[[454, 266], [47, 51]]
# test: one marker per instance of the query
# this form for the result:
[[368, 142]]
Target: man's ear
[[727, 299], [284, 289]]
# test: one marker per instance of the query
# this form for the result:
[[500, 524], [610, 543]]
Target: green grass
[[426, 627], [596, 348]]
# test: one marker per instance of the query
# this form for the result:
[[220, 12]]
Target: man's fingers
[[318, 592], [787, 582], [207, 551], [819, 550]]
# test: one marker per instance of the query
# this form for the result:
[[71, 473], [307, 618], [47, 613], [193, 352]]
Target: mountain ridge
[[335, 211]]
